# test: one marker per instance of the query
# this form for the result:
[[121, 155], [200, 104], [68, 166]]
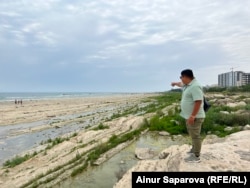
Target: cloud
[[137, 45]]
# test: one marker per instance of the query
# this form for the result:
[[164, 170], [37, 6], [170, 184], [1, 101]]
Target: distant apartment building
[[231, 79], [246, 79]]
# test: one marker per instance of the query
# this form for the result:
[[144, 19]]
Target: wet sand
[[35, 110]]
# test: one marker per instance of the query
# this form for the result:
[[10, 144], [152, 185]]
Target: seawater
[[12, 144], [108, 173], [12, 96]]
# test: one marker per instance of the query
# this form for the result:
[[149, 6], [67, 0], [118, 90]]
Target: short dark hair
[[187, 73]]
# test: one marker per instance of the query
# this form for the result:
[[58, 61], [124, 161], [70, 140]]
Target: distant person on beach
[[192, 111]]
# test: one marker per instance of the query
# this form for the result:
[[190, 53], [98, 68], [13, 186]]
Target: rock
[[228, 129], [51, 116], [144, 153], [219, 96], [246, 127], [176, 122], [244, 155], [224, 101], [164, 133], [241, 103], [247, 100], [163, 155], [232, 105], [178, 138], [240, 112], [231, 153], [170, 109], [211, 139], [213, 100], [111, 152], [224, 112]]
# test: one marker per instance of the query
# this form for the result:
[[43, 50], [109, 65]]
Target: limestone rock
[[231, 153], [164, 133], [145, 153], [242, 103], [220, 96], [247, 127], [224, 112], [228, 129]]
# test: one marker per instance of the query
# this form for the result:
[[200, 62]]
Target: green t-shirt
[[191, 93]]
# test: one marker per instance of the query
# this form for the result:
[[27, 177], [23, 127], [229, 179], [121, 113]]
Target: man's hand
[[173, 84], [190, 120], [179, 84], [197, 104]]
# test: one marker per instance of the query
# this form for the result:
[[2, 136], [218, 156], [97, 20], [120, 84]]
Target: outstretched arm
[[179, 84]]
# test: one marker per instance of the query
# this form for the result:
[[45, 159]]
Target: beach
[[35, 110], [27, 127]]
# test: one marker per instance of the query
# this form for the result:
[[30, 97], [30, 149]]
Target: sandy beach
[[35, 110], [38, 120]]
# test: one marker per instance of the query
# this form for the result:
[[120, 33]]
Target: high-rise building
[[246, 79], [231, 79]]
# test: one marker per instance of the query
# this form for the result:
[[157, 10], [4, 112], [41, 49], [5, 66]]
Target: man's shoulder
[[196, 86], [195, 83]]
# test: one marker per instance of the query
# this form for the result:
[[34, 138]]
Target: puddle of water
[[106, 175]]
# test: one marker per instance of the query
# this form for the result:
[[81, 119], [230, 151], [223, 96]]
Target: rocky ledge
[[231, 153]]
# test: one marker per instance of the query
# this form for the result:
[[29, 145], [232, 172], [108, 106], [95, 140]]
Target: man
[[192, 110]]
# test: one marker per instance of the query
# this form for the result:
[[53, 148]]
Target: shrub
[[247, 107], [101, 127], [16, 161], [215, 122], [173, 124]]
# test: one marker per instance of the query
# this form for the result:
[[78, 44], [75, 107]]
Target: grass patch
[[79, 169], [173, 124], [104, 147], [214, 123], [18, 160], [113, 142], [101, 127], [83, 160], [156, 103], [161, 101], [131, 110]]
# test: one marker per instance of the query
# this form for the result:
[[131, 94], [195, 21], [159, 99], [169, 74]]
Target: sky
[[119, 45]]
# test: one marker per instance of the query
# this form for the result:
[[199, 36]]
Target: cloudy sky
[[119, 45]]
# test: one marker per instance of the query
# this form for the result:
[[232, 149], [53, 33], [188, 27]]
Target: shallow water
[[14, 142], [106, 175], [14, 145]]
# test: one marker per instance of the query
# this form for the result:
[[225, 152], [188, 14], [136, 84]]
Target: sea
[[12, 96]]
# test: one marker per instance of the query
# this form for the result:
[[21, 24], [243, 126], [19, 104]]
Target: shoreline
[[61, 158], [55, 157], [37, 121], [10, 97], [44, 109]]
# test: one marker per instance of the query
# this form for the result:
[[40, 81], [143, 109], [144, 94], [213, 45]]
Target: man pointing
[[192, 110]]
